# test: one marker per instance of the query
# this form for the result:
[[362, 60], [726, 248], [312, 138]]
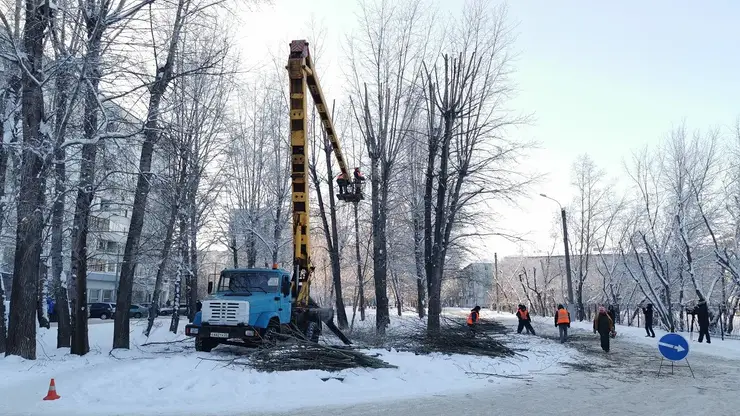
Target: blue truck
[[249, 306]]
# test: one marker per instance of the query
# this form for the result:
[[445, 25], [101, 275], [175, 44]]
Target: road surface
[[623, 382]]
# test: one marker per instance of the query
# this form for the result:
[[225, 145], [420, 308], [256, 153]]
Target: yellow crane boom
[[302, 74]]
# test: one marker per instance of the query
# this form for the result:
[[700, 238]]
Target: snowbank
[[173, 379]]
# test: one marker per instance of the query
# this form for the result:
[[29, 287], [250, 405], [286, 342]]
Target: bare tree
[[185, 13], [589, 217], [469, 159], [390, 50], [10, 94], [98, 16], [21, 329], [199, 121], [66, 92], [176, 195]]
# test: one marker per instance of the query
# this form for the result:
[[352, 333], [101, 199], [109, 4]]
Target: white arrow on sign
[[675, 347]]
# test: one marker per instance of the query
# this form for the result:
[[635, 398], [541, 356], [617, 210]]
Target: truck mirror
[[210, 287], [285, 288]]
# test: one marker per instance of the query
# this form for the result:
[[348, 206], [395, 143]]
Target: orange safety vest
[[470, 318], [524, 314], [563, 316]]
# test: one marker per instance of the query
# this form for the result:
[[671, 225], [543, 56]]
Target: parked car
[[101, 310], [167, 310], [138, 311]]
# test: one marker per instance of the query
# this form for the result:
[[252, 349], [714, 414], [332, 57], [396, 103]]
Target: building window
[[99, 224], [112, 247], [8, 254], [93, 295], [107, 295], [106, 204], [96, 266], [107, 246]]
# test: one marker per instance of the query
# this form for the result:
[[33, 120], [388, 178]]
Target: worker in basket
[[342, 182], [358, 176]]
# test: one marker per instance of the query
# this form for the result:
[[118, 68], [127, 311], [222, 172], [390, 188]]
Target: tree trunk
[[181, 270], [358, 260], [159, 281], [419, 261], [21, 329], [193, 263], [277, 231], [41, 305], [333, 242], [130, 253], [8, 111], [86, 188], [438, 249], [80, 228], [579, 300], [162, 78], [380, 271], [397, 293], [251, 245], [61, 303], [3, 330], [234, 251]]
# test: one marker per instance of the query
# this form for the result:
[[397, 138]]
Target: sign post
[[673, 347]]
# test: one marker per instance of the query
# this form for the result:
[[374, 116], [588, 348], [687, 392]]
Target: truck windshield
[[247, 282]]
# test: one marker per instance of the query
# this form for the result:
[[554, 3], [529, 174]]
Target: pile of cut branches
[[454, 337], [302, 355]]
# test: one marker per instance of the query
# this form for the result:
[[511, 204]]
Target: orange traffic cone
[[52, 395]]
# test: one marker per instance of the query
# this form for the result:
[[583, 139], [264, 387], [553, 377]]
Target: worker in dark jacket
[[343, 183], [702, 316], [604, 326], [562, 322], [648, 312], [473, 317], [525, 321], [359, 177]]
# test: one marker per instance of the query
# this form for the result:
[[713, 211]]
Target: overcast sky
[[602, 78]]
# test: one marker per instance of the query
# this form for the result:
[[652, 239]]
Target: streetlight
[[569, 279]]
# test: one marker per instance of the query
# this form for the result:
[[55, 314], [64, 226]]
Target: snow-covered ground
[[172, 379], [622, 382], [167, 377]]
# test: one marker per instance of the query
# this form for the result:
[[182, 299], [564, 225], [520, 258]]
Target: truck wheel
[[205, 344], [272, 330], [313, 331]]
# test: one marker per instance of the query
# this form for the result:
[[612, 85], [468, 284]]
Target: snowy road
[[624, 382]]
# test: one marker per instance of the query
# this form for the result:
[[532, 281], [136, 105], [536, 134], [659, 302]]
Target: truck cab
[[247, 305]]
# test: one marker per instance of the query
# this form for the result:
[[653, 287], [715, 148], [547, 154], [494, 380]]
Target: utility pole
[[567, 257], [495, 278], [568, 276]]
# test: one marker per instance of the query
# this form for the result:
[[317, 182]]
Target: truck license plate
[[219, 335]]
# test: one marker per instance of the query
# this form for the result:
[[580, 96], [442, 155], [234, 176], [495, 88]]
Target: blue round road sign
[[673, 347]]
